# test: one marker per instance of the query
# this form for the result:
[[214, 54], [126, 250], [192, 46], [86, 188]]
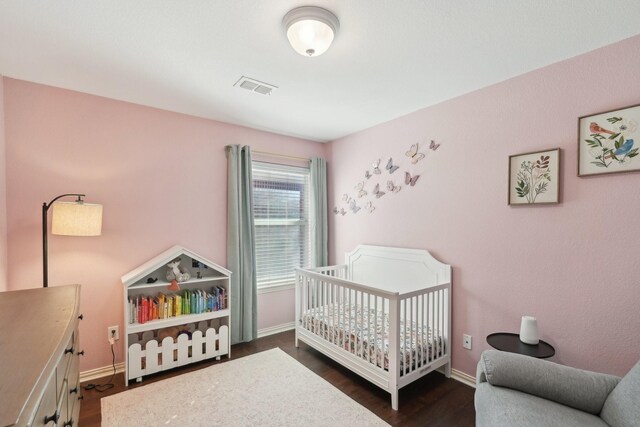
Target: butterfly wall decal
[[392, 187], [369, 207], [414, 155], [433, 146], [377, 192], [346, 198], [391, 167], [367, 174], [359, 188], [354, 208], [335, 210], [343, 212], [410, 180], [376, 167]]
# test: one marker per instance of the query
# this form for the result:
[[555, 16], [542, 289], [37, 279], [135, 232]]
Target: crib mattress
[[365, 333]]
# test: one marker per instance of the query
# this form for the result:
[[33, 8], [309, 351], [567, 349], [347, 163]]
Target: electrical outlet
[[466, 341], [113, 333]]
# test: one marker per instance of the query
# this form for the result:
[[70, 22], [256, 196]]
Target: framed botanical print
[[608, 142], [534, 178]]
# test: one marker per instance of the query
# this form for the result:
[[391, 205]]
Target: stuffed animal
[[177, 273]]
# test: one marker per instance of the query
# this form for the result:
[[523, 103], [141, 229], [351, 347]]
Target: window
[[281, 220]]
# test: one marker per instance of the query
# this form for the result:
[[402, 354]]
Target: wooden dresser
[[39, 369]]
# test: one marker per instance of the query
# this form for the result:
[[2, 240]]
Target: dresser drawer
[[65, 360], [63, 404], [75, 415], [47, 406], [74, 381]]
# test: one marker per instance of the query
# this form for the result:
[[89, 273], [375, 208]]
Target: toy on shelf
[[174, 286], [177, 273]]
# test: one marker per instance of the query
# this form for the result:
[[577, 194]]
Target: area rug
[[265, 389]]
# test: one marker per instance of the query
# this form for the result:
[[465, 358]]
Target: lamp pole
[[45, 209]]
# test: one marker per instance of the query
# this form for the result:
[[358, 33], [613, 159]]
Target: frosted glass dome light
[[310, 29]]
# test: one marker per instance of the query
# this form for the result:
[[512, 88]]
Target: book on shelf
[[145, 308]]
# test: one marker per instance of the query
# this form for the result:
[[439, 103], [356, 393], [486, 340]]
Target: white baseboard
[[463, 378], [105, 371], [276, 329]]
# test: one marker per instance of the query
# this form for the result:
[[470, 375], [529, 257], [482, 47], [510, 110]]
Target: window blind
[[281, 220]]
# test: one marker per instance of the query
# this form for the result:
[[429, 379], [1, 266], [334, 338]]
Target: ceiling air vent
[[254, 85]]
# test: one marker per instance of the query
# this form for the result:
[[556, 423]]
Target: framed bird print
[[534, 178], [608, 142]]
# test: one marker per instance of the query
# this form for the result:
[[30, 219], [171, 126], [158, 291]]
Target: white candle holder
[[529, 330]]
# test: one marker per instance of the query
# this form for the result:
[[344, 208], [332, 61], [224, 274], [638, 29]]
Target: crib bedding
[[365, 333]]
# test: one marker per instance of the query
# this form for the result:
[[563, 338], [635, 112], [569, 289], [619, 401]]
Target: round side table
[[506, 341]]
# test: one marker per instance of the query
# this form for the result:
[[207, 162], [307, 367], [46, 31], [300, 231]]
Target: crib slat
[[430, 325], [361, 334], [413, 342], [303, 301], [341, 318], [425, 347], [433, 322], [324, 309], [334, 306], [349, 320], [369, 328], [376, 332], [439, 324], [345, 313]]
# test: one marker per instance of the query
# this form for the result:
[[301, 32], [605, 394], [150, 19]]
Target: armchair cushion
[[582, 390], [499, 406], [622, 407]]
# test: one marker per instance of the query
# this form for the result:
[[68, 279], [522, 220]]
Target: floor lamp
[[69, 219]]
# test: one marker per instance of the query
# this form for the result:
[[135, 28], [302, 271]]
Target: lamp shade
[[310, 29], [76, 219]]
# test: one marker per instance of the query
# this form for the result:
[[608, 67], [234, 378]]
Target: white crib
[[385, 314]]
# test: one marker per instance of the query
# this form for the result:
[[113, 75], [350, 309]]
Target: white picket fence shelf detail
[[149, 356]]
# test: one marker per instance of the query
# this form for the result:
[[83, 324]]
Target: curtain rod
[[284, 156]]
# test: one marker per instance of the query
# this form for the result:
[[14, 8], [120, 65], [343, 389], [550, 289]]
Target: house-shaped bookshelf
[[166, 327]]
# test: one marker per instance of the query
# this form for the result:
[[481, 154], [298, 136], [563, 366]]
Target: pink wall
[[572, 265], [279, 305], [3, 197], [160, 176]]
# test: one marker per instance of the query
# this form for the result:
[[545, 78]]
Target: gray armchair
[[514, 390]]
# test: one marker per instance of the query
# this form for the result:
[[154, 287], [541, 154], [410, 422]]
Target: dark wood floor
[[431, 401]]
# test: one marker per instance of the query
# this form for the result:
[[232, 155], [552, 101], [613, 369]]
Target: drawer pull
[[55, 417], [81, 353], [69, 350], [80, 397], [68, 423], [81, 317], [73, 390]]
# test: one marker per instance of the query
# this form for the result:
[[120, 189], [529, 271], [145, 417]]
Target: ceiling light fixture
[[310, 29]]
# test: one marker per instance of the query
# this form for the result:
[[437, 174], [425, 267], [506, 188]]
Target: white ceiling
[[389, 58]]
